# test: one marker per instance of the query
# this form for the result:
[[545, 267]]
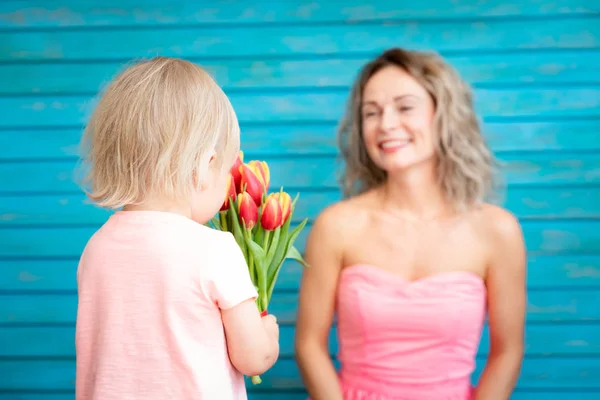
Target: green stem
[[223, 220], [251, 265], [256, 380], [262, 274], [266, 239]]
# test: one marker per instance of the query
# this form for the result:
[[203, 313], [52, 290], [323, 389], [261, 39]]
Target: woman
[[413, 259]]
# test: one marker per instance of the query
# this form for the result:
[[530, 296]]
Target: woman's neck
[[415, 193]]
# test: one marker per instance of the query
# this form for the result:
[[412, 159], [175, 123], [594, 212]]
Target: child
[[166, 305]]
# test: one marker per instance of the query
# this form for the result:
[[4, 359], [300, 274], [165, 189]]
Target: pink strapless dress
[[401, 340]]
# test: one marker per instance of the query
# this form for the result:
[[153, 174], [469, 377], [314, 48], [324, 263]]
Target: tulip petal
[[251, 183]]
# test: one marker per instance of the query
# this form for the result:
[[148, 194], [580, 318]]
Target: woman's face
[[397, 120]]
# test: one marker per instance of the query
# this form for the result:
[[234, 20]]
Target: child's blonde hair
[[153, 131]]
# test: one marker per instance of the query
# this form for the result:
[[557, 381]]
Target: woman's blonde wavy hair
[[465, 164]]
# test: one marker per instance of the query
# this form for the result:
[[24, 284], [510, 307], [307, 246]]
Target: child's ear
[[202, 178]]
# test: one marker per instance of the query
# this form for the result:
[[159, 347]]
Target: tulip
[[261, 169], [236, 171], [271, 218], [247, 210], [230, 192], [255, 179], [285, 202]]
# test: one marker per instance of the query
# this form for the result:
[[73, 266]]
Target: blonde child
[[166, 306]]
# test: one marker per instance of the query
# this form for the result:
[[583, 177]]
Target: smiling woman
[[411, 302], [423, 108]]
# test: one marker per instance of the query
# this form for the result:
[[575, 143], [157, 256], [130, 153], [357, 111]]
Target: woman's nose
[[390, 119]]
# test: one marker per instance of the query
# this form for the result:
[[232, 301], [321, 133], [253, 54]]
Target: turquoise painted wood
[[534, 66]]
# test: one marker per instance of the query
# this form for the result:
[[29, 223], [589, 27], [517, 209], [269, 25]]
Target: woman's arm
[[316, 307], [506, 283]]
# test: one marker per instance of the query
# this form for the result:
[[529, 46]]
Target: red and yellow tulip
[[271, 217], [255, 179], [248, 210], [285, 202], [231, 192], [236, 172]]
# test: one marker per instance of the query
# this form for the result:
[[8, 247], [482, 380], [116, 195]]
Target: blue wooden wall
[[287, 66]]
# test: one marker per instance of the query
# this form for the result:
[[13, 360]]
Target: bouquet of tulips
[[260, 223]]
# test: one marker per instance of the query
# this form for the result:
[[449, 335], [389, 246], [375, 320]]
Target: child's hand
[[252, 341], [271, 326]]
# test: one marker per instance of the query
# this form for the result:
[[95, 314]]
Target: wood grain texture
[[318, 171], [558, 237], [542, 340], [301, 395], [561, 305], [276, 107], [72, 13], [526, 68], [75, 209], [553, 271], [563, 373], [319, 139], [270, 40], [254, 394]]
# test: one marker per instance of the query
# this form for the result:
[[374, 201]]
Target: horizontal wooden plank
[[72, 13], [536, 373], [76, 209], [542, 237], [319, 171], [254, 394], [317, 106], [540, 340], [540, 373], [546, 67], [548, 305], [543, 272], [320, 138], [281, 39]]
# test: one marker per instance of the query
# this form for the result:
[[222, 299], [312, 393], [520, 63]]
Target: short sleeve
[[231, 283]]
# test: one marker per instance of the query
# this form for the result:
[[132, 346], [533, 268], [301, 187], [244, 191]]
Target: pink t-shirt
[[151, 286]]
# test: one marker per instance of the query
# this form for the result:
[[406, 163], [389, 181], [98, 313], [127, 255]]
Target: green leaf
[[294, 234], [273, 242], [278, 257], [257, 251], [293, 253], [237, 230], [259, 233]]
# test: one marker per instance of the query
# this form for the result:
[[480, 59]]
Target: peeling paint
[[8, 217], [575, 271], [577, 343], [25, 276], [558, 309]]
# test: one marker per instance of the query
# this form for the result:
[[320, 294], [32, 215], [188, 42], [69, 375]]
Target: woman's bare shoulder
[[337, 224], [498, 221], [499, 227], [346, 213]]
